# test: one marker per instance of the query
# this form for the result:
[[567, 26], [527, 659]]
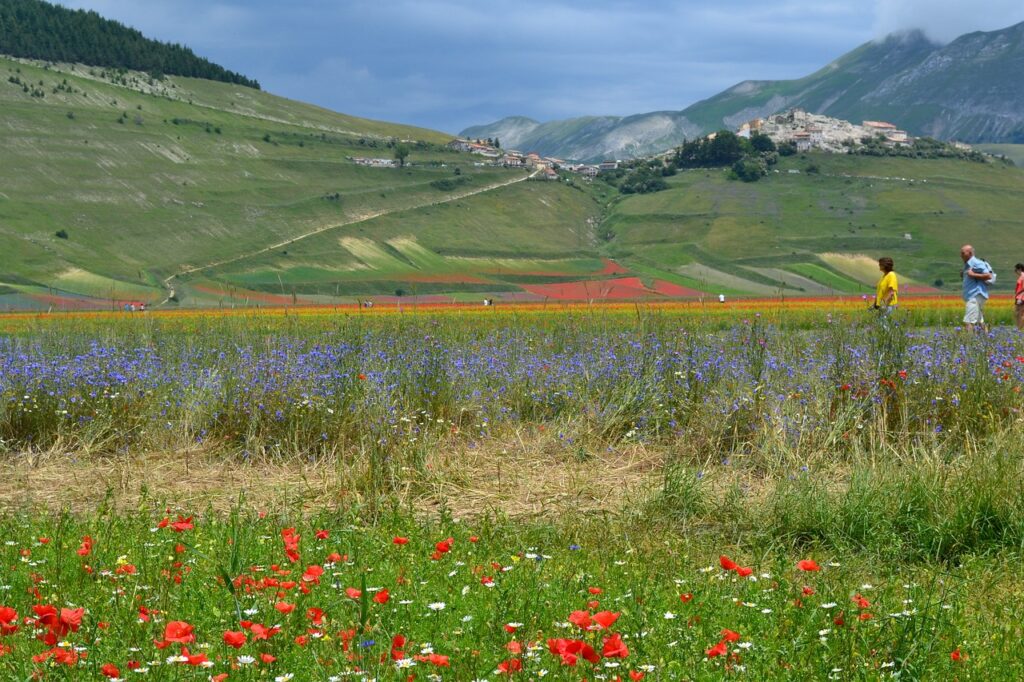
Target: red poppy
[[110, 670], [686, 597], [234, 639], [636, 675], [807, 591], [744, 571], [594, 590], [957, 655], [730, 636], [382, 596], [268, 658], [727, 563], [808, 565], [179, 631], [353, 593], [322, 534], [85, 549], [182, 524], [8, 620], [284, 607], [312, 574], [580, 619], [719, 649], [861, 602], [614, 647], [71, 619], [398, 540], [262, 632], [194, 659], [315, 615], [605, 619], [291, 544], [512, 665]]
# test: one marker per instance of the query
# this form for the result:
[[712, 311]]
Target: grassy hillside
[[1014, 152], [819, 232], [112, 182]]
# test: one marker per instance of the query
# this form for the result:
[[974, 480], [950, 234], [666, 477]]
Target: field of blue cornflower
[[828, 495]]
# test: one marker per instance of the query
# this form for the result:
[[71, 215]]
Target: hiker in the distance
[[977, 276], [887, 290], [1018, 296]]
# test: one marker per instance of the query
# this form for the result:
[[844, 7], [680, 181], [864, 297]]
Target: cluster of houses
[[815, 131], [547, 165]]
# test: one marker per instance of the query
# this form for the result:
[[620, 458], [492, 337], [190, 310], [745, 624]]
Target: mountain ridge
[[965, 90]]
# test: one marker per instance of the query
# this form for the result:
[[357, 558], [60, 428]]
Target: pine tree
[[38, 30]]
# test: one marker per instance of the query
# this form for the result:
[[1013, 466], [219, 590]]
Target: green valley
[[116, 186]]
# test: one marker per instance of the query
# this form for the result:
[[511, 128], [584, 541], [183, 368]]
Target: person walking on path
[[1018, 296], [976, 275], [887, 291]]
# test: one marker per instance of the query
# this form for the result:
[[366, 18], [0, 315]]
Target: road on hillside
[[361, 219]]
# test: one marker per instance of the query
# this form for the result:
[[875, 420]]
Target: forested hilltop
[[39, 30]]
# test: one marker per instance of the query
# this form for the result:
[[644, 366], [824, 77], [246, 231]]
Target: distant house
[[896, 136], [879, 127], [512, 161], [589, 171], [605, 166], [460, 145], [802, 141], [373, 163], [533, 160], [817, 135], [550, 174]]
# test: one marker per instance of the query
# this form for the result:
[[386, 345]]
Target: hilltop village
[[804, 130], [548, 166]]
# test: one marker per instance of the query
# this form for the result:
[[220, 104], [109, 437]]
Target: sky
[[449, 64]]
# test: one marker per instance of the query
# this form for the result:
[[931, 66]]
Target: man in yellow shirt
[[887, 291]]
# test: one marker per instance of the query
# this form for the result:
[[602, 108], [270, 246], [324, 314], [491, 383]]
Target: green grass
[[1014, 152], [829, 278], [187, 178], [855, 205]]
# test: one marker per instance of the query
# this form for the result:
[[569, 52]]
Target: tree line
[[33, 29]]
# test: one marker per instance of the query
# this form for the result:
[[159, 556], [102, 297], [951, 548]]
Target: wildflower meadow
[[622, 492]]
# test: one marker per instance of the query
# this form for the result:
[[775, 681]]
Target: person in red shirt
[[1018, 295]]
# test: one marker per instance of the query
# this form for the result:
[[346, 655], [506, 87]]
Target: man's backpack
[[991, 280]]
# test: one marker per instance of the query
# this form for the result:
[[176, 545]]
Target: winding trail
[[169, 286]]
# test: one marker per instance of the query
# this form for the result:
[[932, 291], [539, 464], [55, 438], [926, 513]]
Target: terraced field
[[822, 231]]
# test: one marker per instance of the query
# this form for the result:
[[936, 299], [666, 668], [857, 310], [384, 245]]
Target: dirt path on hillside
[[169, 286]]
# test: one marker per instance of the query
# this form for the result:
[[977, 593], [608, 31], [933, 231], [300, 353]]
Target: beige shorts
[[974, 310]]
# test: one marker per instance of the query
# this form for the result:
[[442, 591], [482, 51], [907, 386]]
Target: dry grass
[[537, 477], [529, 478]]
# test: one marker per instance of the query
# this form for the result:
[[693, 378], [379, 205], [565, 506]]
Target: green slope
[[708, 227], [151, 179]]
